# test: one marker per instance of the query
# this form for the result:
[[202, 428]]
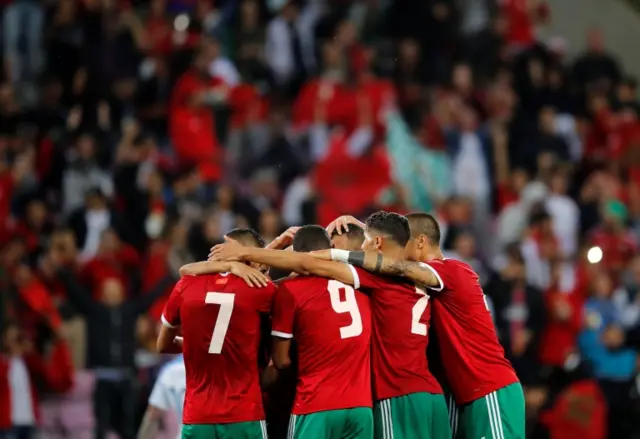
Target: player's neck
[[396, 253], [432, 254]]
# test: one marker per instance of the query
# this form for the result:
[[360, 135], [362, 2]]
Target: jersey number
[[349, 304], [416, 313], [225, 300]]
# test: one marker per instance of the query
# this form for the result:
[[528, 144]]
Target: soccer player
[[167, 395], [490, 402], [409, 401], [332, 326], [219, 316]]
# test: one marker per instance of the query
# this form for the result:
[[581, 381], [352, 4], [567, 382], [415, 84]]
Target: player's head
[[246, 237], [386, 231], [351, 240], [311, 238], [249, 238], [425, 236]]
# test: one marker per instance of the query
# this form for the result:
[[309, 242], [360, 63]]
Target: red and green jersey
[[472, 357], [401, 319], [219, 316], [331, 323]]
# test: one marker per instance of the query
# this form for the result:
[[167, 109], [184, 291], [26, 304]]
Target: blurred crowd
[[133, 134]]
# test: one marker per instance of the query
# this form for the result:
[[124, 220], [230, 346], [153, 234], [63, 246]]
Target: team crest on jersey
[[221, 281]]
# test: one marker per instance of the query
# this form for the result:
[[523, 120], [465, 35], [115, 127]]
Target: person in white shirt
[[167, 395]]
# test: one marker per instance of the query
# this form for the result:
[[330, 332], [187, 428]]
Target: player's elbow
[[165, 344], [162, 346], [281, 362]]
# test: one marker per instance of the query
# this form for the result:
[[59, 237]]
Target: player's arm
[[167, 342], [251, 276], [302, 263], [270, 374], [150, 426], [205, 267], [280, 356], [419, 272], [282, 324]]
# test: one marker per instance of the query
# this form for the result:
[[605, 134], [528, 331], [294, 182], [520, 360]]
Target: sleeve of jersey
[[439, 271], [283, 313], [171, 312], [159, 397], [363, 278]]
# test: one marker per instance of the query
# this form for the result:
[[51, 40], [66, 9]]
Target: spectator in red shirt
[[617, 243], [191, 119], [21, 370]]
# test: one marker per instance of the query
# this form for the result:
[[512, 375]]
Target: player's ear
[[378, 242], [422, 241]]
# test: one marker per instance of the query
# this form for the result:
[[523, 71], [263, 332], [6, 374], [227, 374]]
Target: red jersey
[[220, 320], [401, 318], [473, 359], [332, 326]]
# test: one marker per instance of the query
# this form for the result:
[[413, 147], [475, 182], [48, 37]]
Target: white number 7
[[225, 300], [416, 313]]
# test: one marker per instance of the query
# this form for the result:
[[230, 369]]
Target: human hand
[[341, 224], [250, 275], [284, 240], [230, 251]]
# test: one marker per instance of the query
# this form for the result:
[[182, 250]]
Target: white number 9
[[349, 305]]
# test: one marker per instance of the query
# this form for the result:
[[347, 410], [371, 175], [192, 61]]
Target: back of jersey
[[332, 326], [401, 319], [220, 320], [473, 359]]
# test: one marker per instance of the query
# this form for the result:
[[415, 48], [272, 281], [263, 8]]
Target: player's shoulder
[[299, 282], [302, 286]]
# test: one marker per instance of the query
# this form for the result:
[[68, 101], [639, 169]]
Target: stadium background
[[307, 110]]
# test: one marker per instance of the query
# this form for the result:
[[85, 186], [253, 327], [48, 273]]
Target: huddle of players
[[361, 320]]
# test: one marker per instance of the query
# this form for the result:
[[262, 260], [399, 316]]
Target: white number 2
[[416, 313], [225, 300], [349, 305]]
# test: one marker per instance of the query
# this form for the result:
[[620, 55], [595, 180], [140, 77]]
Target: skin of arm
[[270, 375], [150, 423], [299, 262], [280, 358], [418, 272], [205, 267], [167, 343]]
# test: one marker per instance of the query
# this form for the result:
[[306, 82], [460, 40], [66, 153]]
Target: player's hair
[[424, 224], [392, 224], [355, 233], [248, 237], [310, 238]]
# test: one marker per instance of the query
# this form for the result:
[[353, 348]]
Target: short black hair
[[393, 224], [310, 238], [248, 237], [355, 232], [424, 224]]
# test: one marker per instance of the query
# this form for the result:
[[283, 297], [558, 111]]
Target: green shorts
[[355, 423], [415, 416], [237, 430], [498, 415]]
